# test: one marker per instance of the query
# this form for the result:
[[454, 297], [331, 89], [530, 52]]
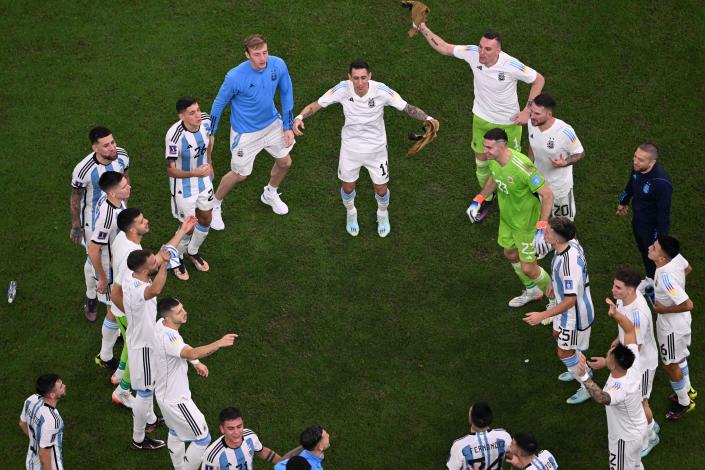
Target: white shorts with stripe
[[672, 346], [376, 163], [105, 261], [570, 338], [245, 147], [182, 207], [647, 383], [626, 455], [184, 419], [142, 365], [564, 206]]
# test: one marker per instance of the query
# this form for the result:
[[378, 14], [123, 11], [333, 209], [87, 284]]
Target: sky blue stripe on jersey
[[538, 464], [385, 89], [95, 177], [38, 431], [589, 313], [472, 48], [223, 460], [517, 65], [570, 134], [467, 453], [202, 159], [240, 456], [185, 166], [339, 86], [560, 293]]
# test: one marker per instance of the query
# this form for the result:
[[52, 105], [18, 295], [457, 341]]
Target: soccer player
[[106, 156], [255, 124], [573, 312], [117, 189], [133, 226], [42, 423], [185, 421], [526, 454], [621, 395], [315, 441], [523, 218], [649, 189], [237, 446], [632, 304], [496, 103], [363, 138], [554, 148], [140, 302], [484, 447], [673, 307], [189, 166]]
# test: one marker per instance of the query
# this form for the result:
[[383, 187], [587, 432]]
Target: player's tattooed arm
[[597, 393], [76, 228], [435, 41], [310, 110], [415, 112], [269, 455]]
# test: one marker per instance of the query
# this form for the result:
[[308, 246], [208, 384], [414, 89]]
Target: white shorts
[[182, 207], [571, 338], [245, 147], [564, 206], [142, 368], [647, 383], [32, 461], [626, 455], [672, 346], [105, 261], [376, 163], [184, 419]]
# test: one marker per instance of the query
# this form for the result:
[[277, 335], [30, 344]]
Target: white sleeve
[[455, 459], [78, 182], [572, 277], [572, 144], [617, 393], [392, 98], [334, 95], [101, 235], [48, 433], [673, 289], [256, 443], [521, 71], [173, 343], [467, 53], [171, 151]]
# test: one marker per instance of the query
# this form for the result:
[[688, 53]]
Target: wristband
[[541, 225], [429, 118], [195, 362], [299, 117], [479, 199], [583, 378]]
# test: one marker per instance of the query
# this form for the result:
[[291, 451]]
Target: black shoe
[[151, 427], [90, 309], [148, 444], [677, 410], [112, 364]]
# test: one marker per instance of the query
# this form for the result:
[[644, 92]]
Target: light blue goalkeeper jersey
[[251, 96]]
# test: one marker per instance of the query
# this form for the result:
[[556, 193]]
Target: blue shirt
[[650, 194], [316, 462], [251, 96]]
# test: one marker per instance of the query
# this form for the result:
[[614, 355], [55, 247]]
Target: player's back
[[30, 416], [482, 449], [50, 433], [543, 461], [141, 313], [171, 378]]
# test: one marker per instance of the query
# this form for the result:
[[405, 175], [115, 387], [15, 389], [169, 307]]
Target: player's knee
[[531, 270], [512, 255], [380, 189], [205, 218], [284, 163]]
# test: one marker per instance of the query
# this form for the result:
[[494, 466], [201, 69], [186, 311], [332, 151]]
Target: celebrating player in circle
[[255, 124], [188, 164], [363, 138], [554, 149], [106, 156], [572, 312], [522, 218], [496, 103]]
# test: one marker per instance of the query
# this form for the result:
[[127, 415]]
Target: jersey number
[[563, 210], [385, 168], [479, 464]]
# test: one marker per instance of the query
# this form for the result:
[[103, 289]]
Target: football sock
[[543, 281], [91, 282], [177, 450], [571, 363], [684, 369], [482, 172], [144, 402], [199, 235], [681, 392], [194, 453], [348, 199], [382, 201], [183, 244], [271, 188], [110, 333], [526, 280]]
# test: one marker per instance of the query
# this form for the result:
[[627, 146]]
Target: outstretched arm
[[416, 113], [310, 109], [435, 41]]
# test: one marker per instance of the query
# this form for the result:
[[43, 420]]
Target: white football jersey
[[188, 150], [87, 174], [543, 461], [485, 449], [141, 313], [30, 416], [46, 431], [495, 87], [557, 140], [625, 414], [669, 288], [105, 228], [640, 315], [171, 380], [121, 249], [569, 276], [363, 131], [218, 456]]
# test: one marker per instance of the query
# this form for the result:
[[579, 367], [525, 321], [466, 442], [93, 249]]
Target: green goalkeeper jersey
[[517, 183]]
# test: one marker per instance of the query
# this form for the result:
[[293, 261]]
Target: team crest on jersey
[[274, 75], [568, 284], [551, 143], [647, 187], [371, 103], [501, 76]]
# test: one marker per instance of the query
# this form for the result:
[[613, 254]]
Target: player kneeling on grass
[[188, 164], [573, 311], [185, 421], [363, 138], [522, 218], [627, 428]]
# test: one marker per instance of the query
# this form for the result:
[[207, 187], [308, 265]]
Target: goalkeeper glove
[[540, 245], [474, 209]]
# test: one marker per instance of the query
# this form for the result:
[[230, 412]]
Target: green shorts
[[480, 127], [521, 240]]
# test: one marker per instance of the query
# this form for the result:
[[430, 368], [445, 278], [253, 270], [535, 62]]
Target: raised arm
[[416, 113], [192, 354], [435, 41], [268, 455], [155, 288], [624, 322]]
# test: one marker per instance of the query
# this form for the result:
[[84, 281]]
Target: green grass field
[[386, 342]]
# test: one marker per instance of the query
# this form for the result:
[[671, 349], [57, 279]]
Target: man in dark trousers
[[649, 188]]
